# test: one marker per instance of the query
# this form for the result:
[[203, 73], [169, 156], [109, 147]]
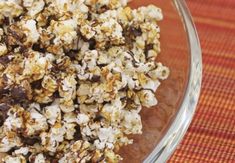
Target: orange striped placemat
[[211, 136]]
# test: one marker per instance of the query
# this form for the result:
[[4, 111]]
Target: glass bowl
[[165, 124]]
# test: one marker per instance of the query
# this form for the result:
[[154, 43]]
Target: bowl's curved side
[[179, 126]]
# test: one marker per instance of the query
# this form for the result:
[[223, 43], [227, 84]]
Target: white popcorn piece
[[147, 98], [7, 143], [33, 7], [14, 120], [17, 159], [40, 159], [36, 123], [53, 113], [132, 122], [65, 30], [31, 31], [10, 9], [3, 49], [22, 150], [82, 119]]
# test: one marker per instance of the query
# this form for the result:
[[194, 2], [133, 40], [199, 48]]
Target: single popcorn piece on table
[[74, 76]]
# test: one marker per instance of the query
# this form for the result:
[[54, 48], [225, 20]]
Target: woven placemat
[[211, 136]]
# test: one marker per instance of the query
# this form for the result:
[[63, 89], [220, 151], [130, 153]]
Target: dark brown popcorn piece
[[4, 90], [92, 44], [98, 118], [31, 140], [147, 48], [77, 135], [135, 31], [3, 112], [95, 78], [39, 48], [19, 94], [16, 32], [72, 54]]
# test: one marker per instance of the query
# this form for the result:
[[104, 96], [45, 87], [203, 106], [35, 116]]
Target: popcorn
[[31, 31], [53, 113], [132, 122], [36, 123], [3, 49], [15, 119], [161, 72], [152, 12], [64, 30], [147, 98], [68, 87], [35, 66], [22, 150], [82, 119], [9, 142], [33, 7], [17, 159], [74, 76], [10, 9], [40, 159]]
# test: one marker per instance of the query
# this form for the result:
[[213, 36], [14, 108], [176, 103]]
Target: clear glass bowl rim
[[180, 124]]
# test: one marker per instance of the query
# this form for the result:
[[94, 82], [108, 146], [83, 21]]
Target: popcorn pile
[[74, 75]]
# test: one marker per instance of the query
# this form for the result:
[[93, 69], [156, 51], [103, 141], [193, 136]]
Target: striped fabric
[[211, 136]]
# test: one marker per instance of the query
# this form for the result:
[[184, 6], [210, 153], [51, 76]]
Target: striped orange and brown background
[[211, 136]]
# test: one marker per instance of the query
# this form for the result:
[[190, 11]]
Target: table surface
[[211, 135]]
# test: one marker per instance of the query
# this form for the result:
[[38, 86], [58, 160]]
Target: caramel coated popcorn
[[74, 76]]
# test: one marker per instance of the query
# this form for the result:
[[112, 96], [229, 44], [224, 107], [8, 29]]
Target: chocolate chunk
[[55, 69], [37, 84], [101, 158], [6, 21], [12, 150], [50, 158], [77, 135], [3, 112], [102, 65], [103, 9], [23, 49], [4, 107], [7, 100], [25, 104], [27, 156], [89, 16], [95, 78], [72, 54], [16, 32], [4, 60], [49, 19], [108, 45], [30, 140], [18, 93], [39, 48], [147, 48], [124, 89], [129, 37], [11, 41], [92, 44], [98, 118], [56, 94], [91, 140], [135, 31], [16, 19], [4, 90]]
